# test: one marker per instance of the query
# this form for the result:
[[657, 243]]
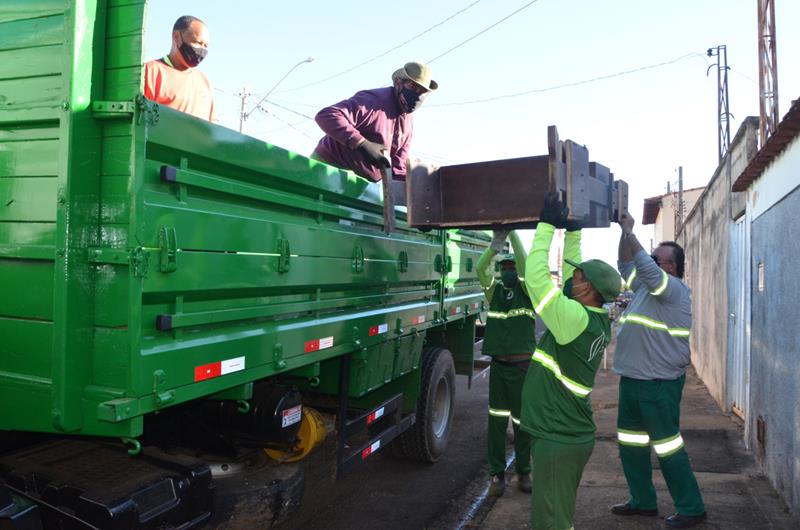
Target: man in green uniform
[[556, 410], [510, 340], [651, 357]]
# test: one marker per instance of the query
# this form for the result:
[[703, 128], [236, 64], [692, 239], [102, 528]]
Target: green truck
[[173, 293]]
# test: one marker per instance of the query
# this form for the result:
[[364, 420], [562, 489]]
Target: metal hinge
[[138, 258], [109, 110]]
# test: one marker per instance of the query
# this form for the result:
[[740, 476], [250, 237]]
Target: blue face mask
[[409, 99]]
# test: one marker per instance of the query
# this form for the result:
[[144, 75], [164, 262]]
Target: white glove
[[499, 240]]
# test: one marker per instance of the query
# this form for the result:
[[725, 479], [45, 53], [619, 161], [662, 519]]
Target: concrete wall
[[774, 201], [706, 238], [664, 227]]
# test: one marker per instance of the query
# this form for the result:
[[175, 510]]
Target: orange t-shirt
[[188, 91]]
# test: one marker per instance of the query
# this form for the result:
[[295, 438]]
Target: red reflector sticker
[[371, 449], [318, 344], [375, 415], [211, 370], [455, 310], [418, 319], [377, 330]]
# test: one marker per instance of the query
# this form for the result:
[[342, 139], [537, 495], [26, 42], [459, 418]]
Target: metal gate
[[739, 329]]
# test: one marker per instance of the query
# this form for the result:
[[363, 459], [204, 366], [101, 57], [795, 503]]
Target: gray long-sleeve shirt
[[653, 336]]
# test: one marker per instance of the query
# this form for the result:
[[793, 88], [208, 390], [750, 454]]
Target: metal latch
[[283, 255], [358, 259], [168, 241]]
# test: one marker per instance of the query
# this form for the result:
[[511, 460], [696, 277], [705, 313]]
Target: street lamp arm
[[271, 90]]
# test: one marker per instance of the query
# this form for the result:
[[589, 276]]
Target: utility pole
[[243, 95], [723, 112], [767, 70]]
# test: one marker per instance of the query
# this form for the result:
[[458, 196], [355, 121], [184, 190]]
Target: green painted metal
[[142, 251]]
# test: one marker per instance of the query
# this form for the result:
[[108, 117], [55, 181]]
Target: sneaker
[[524, 482], [627, 509], [684, 521], [498, 485]]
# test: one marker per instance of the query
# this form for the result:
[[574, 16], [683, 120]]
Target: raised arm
[[519, 256], [565, 318]]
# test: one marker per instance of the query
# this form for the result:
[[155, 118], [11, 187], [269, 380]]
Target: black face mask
[[193, 56], [409, 99]]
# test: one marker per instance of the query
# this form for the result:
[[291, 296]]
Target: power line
[[306, 116], [572, 84], [418, 35], [291, 126], [483, 31]]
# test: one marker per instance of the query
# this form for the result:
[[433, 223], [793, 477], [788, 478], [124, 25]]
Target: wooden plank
[[35, 158], [28, 199], [31, 62], [26, 289], [124, 51], [20, 34], [26, 347], [15, 234], [29, 132], [21, 98], [15, 11]]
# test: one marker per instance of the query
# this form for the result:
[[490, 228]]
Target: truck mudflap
[[82, 484]]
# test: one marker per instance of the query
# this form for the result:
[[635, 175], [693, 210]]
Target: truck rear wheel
[[427, 439]]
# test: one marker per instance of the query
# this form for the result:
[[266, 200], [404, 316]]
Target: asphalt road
[[387, 492]]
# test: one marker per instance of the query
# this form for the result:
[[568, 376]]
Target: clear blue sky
[[642, 125]]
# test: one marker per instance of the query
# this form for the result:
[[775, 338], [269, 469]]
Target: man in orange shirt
[[174, 81]]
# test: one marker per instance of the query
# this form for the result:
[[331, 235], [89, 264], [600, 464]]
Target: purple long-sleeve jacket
[[371, 114]]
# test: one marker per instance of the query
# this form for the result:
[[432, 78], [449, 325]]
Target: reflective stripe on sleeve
[[654, 324], [548, 362], [546, 300], [515, 420], [634, 438], [631, 277], [500, 413], [663, 286], [668, 446]]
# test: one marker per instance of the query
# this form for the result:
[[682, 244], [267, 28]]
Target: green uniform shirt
[[511, 322], [510, 326], [555, 396]]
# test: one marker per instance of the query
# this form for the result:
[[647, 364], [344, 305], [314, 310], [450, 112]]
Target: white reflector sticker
[[231, 365], [292, 416]]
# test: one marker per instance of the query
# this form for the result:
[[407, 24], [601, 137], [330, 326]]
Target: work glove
[[373, 153], [499, 240], [554, 212], [573, 226]]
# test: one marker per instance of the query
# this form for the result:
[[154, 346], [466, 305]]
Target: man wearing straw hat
[[372, 130]]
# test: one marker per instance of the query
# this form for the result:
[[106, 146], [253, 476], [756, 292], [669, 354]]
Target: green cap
[[506, 257], [602, 276]]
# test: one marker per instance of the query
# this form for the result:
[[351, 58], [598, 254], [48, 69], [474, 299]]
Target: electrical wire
[[291, 126], [483, 31], [572, 84], [359, 65]]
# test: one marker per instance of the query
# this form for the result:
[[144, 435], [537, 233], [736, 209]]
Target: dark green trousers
[[649, 415], [557, 471], [505, 402]]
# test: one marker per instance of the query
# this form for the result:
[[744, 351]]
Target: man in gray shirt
[[651, 357]]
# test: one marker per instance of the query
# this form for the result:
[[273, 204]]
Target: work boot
[[524, 482], [677, 520], [498, 485], [627, 509]]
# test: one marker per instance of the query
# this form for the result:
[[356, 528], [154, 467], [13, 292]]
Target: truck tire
[[427, 439]]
